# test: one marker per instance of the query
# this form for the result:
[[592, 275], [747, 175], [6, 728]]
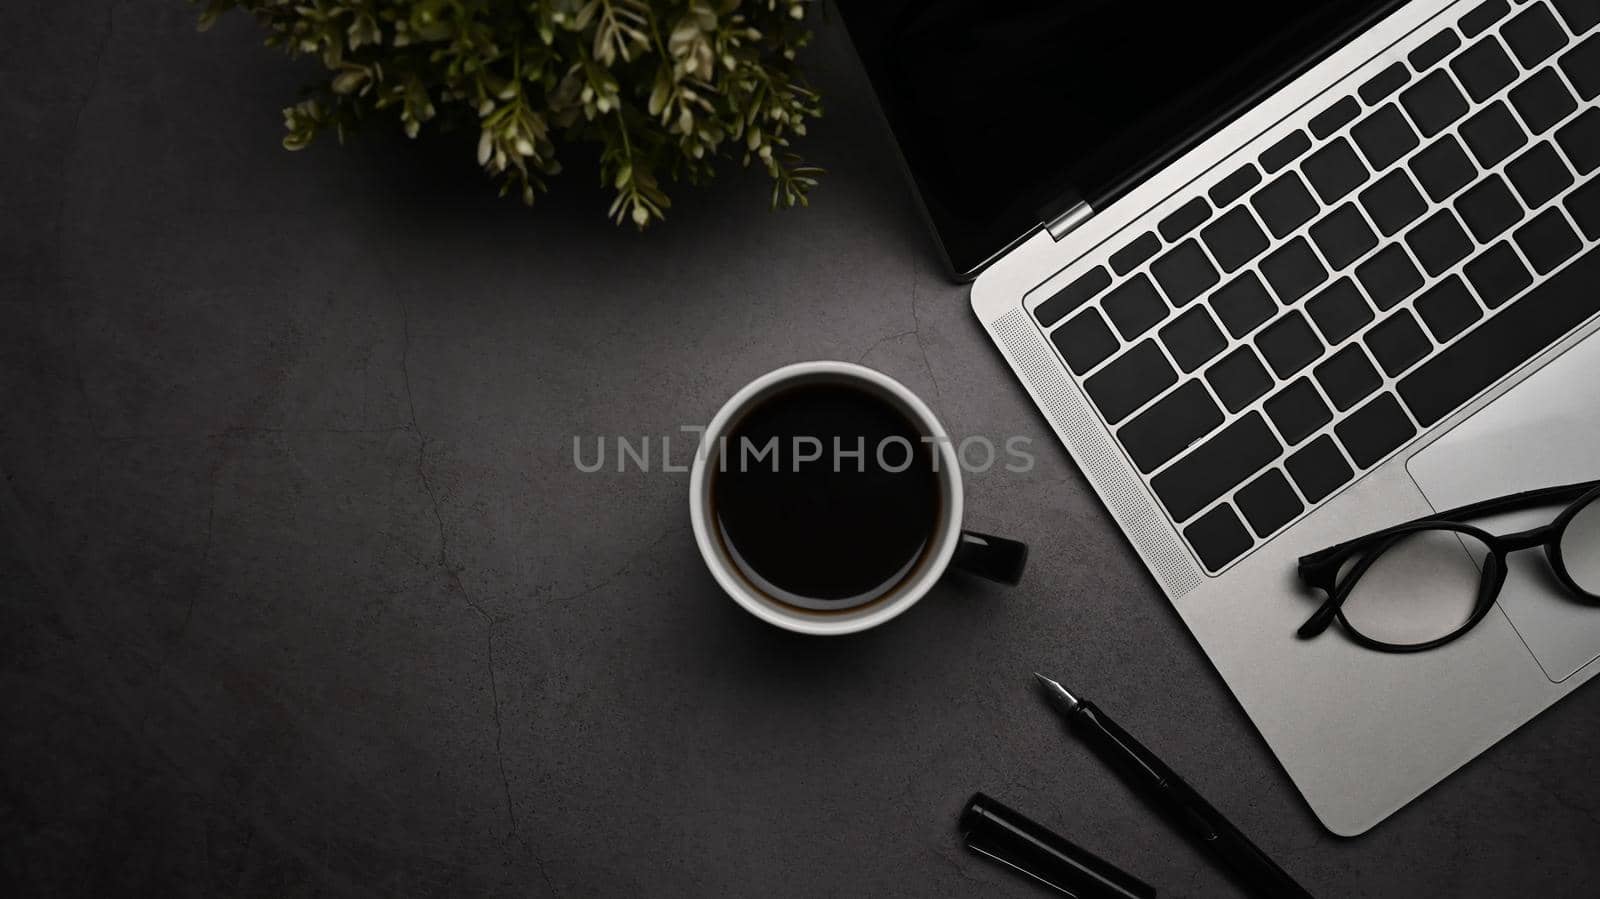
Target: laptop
[[1279, 275]]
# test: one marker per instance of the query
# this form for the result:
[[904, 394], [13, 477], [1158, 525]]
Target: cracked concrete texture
[[301, 592]]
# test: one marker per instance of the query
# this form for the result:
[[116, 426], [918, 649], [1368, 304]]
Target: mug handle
[[994, 558]]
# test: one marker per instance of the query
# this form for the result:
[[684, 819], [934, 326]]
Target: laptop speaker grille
[[1093, 451]]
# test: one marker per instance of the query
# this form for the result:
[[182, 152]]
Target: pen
[[1138, 765]]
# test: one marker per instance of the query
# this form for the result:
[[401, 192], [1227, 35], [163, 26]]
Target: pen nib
[[1057, 692]]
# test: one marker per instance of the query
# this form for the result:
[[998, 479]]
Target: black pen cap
[[996, 831]]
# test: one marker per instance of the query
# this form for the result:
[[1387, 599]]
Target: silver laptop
[[1279, 275]]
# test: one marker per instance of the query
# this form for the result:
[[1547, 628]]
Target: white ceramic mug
[[992, 557]]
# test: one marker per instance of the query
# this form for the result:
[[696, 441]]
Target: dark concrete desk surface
[[301, 593]]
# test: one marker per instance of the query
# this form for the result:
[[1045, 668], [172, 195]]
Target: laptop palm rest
[[1544, 431]]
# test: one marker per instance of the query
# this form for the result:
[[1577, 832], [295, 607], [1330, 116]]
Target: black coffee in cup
[[825, 495]]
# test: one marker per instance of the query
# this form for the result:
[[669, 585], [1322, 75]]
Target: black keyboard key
[[1185, 272], [1542, 101], [1398, 342], [1135, 253], [1134, 307], [1539, 175], [1533, 35], [1583, 205], [1348, 377], [1293, 270], [1375, 430], [1493, 134], [1517, 333], [1339, 311], [1268, 503], [1235, 239], [1343, 236], [1384, 137], [1285, 151], [1187, 218], [1433, 103], [1218, 538], [1489, 209], [1484, 69], [1582, 66], [1235, 185], [1334, 171], [1482, 16], [1389, 276], [1239, 379], [1580, 140], [1243, 304], [1129, 381], [1393, 202], [1085, 341], [1297, 411], [1447, 308], [1083, 289], [1439, 242], [1289, 344], [1319, 469], [1443, 168], [1216, 466], [1498, 275], [1284, 204], [1431, 51], [1170, 426], [1547, 241], [1580, 15], [1193, 339], [1334, 117], [1384, 83]]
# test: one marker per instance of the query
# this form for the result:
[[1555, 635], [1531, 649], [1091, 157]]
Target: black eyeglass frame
[[1320, 570]]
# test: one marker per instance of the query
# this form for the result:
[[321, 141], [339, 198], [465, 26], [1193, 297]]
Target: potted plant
[[666, 89]]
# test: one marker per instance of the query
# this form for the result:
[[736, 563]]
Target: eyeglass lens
[[1580, 548], [1419, 588]]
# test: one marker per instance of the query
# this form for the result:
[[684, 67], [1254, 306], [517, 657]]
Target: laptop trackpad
[[1542, 432]]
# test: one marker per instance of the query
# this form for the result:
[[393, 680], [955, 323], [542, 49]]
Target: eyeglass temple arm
[[1322, 574], [1317, 569], [1516, 502]]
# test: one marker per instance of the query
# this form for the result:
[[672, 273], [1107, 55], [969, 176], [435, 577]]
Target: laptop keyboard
[[1310, 312]]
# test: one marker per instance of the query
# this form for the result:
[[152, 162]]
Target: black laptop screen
[[1004, 109]]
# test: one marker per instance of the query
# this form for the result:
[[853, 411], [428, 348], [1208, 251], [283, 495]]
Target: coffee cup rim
[[908, 592]]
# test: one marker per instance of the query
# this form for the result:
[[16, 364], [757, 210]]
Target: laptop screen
[[1005, 112]]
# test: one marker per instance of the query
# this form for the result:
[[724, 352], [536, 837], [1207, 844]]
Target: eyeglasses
[[1399, 620]]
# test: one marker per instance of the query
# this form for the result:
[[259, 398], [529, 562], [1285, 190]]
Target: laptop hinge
[[1068, 221]]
